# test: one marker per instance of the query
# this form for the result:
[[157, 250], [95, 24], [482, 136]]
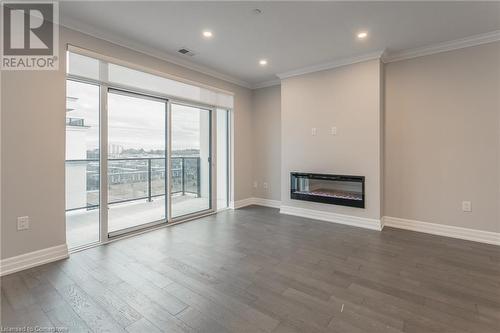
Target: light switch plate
[[466, 206], [313, 131]]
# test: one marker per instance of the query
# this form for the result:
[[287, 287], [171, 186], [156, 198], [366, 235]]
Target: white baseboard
[[267, 202], [374, 224], [32, 259], [355, 221], [443, 230], [256, 201], [242, 203]]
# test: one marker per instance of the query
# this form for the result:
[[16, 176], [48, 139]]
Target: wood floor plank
[[287, 308], [152, 311], [96, 318], [65, 317], [119, 310], [201, 322], [16, 292], [239, 306], [255, 270], [141, 326], [215, 310]]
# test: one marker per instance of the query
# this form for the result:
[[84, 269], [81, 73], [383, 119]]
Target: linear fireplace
[[333, 189]]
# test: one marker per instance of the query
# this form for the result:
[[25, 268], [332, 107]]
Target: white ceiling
[[290, 35]]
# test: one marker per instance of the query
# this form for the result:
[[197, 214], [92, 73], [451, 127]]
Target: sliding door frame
[[103, 165], [104, 235], [120, 232], [212, 161], [229, 160]]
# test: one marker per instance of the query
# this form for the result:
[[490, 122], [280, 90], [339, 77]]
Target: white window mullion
[[213, 159], [168, 163], [103, 169]]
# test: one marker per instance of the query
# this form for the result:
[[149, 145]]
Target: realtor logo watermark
[[30, 35]]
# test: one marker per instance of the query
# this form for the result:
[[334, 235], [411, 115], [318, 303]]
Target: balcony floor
[[83, 225]]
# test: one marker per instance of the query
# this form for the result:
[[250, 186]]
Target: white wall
[[349, 98], [443, 138], [442, 134], [32, 158], [267, 142], [32, 143]]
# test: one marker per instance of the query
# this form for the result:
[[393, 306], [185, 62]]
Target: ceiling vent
[[186, 52]]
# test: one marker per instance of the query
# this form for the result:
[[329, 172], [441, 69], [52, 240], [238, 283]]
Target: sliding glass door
[[134, 161], [190, 160], [136, 173]]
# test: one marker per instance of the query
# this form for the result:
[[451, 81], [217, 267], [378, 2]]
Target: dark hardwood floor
[[254, 270]]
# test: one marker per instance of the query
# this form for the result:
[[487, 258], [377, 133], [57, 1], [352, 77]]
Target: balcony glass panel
[[82, 164]]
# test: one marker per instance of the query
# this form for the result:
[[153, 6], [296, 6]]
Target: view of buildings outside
[[126, 165]]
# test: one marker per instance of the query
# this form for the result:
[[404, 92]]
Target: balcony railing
[[130, 179]]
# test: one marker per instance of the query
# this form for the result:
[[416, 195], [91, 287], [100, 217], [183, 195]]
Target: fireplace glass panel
[[334, 189], [318, 187]]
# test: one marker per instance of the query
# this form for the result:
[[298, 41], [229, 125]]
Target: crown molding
[[333, 64], [174, 59], [489, 37], [265, 84], [386, 57]]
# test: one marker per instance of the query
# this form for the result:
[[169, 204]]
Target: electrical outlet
[[23, 223], [255, 184], [466, 206], [265, 185]]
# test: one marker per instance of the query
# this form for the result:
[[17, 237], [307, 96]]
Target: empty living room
[[250, 166]]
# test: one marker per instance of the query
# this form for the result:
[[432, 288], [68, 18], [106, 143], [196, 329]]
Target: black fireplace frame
[[327, 199]]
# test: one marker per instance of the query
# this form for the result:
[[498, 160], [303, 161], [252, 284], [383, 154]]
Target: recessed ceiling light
[[207, 33], [263, 62], [362, 35]]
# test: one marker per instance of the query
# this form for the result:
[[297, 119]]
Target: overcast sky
[[135, 122]]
